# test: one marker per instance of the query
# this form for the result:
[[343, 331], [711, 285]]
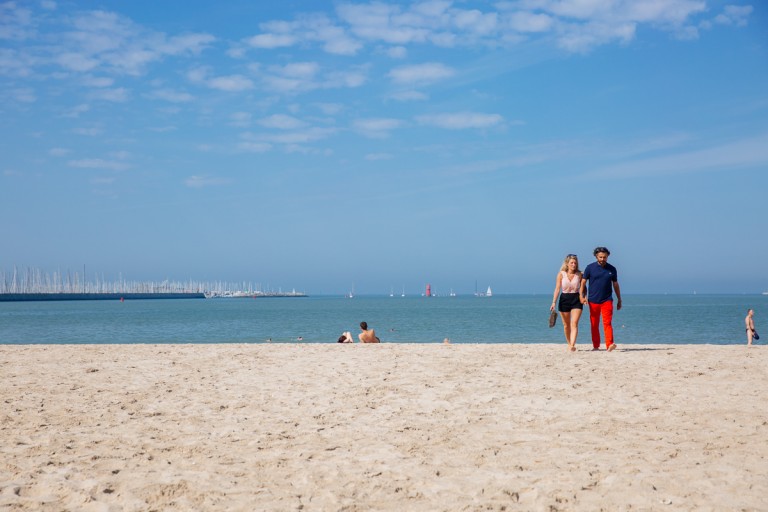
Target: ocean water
[[667, 319]]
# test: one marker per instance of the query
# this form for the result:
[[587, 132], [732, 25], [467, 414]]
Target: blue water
[[676, 319]]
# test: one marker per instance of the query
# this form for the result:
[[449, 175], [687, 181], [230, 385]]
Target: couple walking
[[571, 286]]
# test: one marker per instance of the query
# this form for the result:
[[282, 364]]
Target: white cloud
[[303, 70], [582, 38], [240, 119], [270, 41], [75, 111], [98, 163], [476, 22], [101, 41], [117, 95], [330, 109], [281, 122], [231, 83], [98, 81], [15, 22], [89, 132], [204, 181], [350, 79], [24, 95], [198, 74], [378, 156], [192, 44], [409, 96], [461, 120], [381, 22], [397, 52], [255, 147], [376, 128], [16, 63], [59, 151], [734, 15], [526, 22], [289, 137], [421, 74], [334, 38], [171, 95], [77, 61]]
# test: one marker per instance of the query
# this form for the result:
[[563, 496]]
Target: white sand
[[383, 427]]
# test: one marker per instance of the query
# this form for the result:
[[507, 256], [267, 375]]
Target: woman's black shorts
[[569, 301]]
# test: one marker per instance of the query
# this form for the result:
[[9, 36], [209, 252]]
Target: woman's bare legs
[[574, 330], [566, 317]]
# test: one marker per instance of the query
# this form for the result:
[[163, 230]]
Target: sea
[[644, 319]]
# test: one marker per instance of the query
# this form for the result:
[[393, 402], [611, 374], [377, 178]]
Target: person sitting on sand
[[346, 337], [368, 335]]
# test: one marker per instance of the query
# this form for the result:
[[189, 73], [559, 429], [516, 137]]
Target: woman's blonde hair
[[568, 258]]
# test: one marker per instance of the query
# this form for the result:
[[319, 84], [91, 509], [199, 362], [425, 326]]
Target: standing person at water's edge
[[750, 323], [567, 285], [602, 276]]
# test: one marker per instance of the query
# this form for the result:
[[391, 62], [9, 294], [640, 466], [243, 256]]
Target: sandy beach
[[383, 427]]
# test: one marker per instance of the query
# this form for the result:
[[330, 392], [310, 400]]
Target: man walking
[[602, 276]]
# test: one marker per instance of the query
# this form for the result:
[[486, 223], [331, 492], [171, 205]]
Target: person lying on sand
[[346, 337], [368, 335]]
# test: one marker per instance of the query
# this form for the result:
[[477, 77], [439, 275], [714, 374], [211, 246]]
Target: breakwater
[[22, 297]]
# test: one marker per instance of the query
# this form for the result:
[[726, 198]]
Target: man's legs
[[594, 323], [607, 312]]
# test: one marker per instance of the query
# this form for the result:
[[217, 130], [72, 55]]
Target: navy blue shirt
[[600, 282]]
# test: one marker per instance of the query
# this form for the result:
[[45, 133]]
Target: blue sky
[[319, 144]]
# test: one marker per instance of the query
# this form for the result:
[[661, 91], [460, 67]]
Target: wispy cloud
[[409, 96], [98, 163], [461, 120], [95, 41], [746, 153], [301, 136], [376, 128], [205, 181], [171, 95], [421, 74], [231, 83], [281, 122], [378, 156]]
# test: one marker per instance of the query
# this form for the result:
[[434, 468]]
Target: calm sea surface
[[675, 319]]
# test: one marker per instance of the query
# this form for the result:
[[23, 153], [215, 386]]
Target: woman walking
[[570, 307]]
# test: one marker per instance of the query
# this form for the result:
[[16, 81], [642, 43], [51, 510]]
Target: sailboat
[[488, 292], [391, 291], [403, 294]]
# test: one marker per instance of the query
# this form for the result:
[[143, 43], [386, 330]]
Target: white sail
[[489, 293]]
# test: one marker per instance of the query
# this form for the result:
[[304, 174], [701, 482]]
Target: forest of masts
[[32, 280]]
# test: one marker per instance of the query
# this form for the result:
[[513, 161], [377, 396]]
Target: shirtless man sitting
[[368, 335]]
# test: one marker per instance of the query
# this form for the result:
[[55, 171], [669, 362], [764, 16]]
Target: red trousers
[[595, 311]]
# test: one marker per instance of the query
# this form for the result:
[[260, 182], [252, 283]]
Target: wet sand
[[383, 427]]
